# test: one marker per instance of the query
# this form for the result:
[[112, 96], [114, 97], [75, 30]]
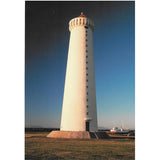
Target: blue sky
[[46, 49]]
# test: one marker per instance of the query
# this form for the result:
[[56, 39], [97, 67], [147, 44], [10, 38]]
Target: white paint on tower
[[79, 112]]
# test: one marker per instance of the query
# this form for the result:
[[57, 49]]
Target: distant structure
[[79, 111]]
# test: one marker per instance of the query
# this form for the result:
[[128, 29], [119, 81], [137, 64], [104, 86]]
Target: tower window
[[87, 93], [86, 27], [86, 62], [87, 80], [87, 74], [87, 99], [87, 106], [86, 68], [86, 50], [87, 113], [86, 40], [86, 56], [87, 86], [86, 45]]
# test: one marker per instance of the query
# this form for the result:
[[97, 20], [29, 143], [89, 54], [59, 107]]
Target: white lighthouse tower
[[79, 111]]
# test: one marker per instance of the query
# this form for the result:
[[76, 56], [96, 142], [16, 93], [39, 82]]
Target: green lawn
[[38, 147]]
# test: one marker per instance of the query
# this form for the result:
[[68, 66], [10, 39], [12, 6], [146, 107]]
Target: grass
[[38, 147]]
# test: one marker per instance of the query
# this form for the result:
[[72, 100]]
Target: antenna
[[122, 124], [114, 125]]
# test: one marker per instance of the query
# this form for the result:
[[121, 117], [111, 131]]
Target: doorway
[[87, 126]]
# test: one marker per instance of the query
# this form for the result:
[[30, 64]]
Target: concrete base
[[78, 135]]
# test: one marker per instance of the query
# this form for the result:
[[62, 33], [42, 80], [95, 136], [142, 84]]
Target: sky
[[46, 50]]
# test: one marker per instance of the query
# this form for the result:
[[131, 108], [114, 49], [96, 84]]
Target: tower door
[[87, 126]]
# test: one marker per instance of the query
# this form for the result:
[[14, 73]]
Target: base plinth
[[78, 135]]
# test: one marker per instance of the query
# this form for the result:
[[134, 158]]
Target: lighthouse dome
[[82, 20], [82, 15]]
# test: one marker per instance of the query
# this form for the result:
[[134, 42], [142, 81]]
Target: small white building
[[79, 112]]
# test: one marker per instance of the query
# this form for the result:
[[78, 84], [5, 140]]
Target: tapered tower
[[79, 112]]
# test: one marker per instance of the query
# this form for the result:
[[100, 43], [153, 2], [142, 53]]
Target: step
[[92, 135], [102, 135]]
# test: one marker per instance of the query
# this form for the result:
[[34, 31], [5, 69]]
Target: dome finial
[[82, 15]]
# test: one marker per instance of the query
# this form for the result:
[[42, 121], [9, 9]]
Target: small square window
[[86, 62], [87, 74], [87, 86], [87, 80], [87, 93], [86, 68], [86, 50], [87, 113], [87, 106], [87, 100], [86, 56]]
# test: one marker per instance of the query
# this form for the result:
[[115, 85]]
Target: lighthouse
[[79, 111]]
